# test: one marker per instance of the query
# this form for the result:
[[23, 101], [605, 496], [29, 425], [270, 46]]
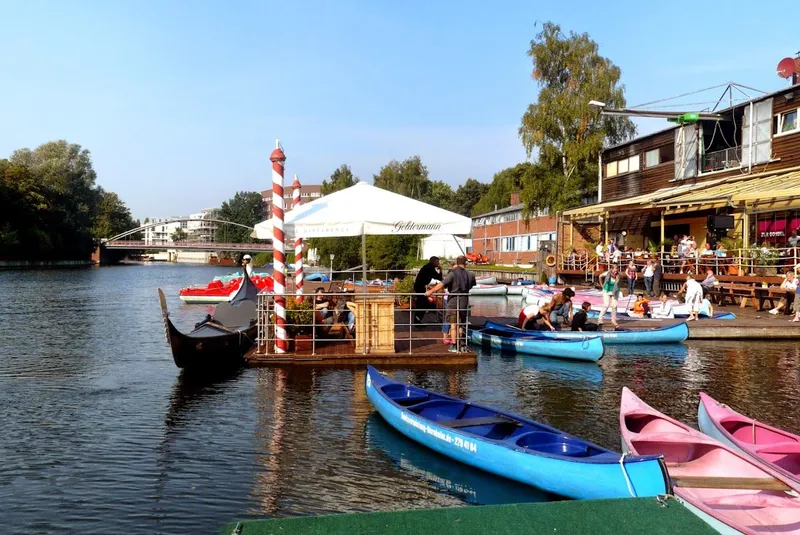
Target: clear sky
[[180, 101]]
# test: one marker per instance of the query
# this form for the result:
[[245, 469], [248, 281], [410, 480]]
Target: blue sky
[[180, 102]]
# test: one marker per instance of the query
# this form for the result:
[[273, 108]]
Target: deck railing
[[722, 159], [310, 328], [764, 261]]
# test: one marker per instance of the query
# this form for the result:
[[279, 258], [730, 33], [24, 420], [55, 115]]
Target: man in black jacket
[[428, 272]]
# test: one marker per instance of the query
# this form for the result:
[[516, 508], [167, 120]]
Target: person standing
[[658, 272], [631, 273], [694, 296], [431, 271], [247, 264], [609, 281], [648, 278], [458, 283]]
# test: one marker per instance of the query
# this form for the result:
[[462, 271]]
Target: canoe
[[222, 339], [512, 447], [669, 334], [218, 291], [514, 290], [317, 277], [588, 348], [486, 280], [779, 449], [488, 289], [723, 487]]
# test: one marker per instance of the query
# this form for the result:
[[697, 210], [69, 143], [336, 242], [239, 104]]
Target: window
[[611, 169], [622, 166], [651, 158], [633, 163], [761, 135], [666, 154], [785, 123]]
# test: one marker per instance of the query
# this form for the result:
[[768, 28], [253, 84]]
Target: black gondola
[[221, 340]]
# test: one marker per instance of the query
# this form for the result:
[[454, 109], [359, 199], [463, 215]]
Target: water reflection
[[469, 484]]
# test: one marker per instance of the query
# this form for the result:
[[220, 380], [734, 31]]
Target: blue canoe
[[588, 348], [317, 277], [594, 314], [670, 334], [513, 447]]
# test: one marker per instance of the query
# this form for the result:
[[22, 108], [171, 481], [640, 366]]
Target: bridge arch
[[176, 220]]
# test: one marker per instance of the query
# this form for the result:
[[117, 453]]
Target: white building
[[162, 234], [202, 231], [196, 231]]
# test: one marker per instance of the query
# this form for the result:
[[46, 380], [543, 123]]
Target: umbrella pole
[[364, 287]]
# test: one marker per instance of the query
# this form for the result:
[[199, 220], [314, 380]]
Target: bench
[[774, 292], [474, 422], [723, 293]]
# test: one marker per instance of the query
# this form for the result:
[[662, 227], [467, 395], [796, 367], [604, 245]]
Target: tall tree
[[504, 183], [340, 179], [112, 216], [179, 235], [441, 194], [561, 125], [467, 196], [409, 178], [244, 208]]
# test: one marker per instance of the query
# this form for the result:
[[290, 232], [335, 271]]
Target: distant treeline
[[51, 207]]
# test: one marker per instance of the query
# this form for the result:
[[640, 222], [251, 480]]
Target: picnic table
[[771, 293], [723, 293]]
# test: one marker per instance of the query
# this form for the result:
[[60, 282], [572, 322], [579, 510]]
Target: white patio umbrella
[[364, 210]]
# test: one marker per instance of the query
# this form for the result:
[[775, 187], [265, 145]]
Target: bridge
[[207, 231]]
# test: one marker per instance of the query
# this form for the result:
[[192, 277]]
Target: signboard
[[777, 230]]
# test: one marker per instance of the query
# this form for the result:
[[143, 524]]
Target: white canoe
[[204, 299], [514, 290], [486, 280], [488, 289]]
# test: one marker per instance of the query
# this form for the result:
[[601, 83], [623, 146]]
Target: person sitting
[[706, 308], [529, 317], [665, 312], [708, 282], [343, 313], [641, 308], [322, 303], [579, 322], [560, 306], [790, 285]]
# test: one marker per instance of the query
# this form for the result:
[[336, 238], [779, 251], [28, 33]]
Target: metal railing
[[763, 261], [722, 159], [371, 322]]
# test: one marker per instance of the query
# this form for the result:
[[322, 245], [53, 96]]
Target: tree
[[504, 183], [567, 132], [113, 217], [467, 196], [441, 194], [409, 178], [244, 208], [179, 235], [340, 179]]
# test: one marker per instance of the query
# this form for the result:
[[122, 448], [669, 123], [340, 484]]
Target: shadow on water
[[469, 484]]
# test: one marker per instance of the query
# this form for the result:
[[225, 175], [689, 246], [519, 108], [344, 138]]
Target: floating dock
[[654, 516]]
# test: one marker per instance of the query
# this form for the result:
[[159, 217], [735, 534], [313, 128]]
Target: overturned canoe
[[486, 280], [728, 490], [512, 447], [777, 448], [488, 289], [588, 348], [670, 334]]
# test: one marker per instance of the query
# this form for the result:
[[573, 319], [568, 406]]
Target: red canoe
[[728, 490], [217, 291], [777, 448]]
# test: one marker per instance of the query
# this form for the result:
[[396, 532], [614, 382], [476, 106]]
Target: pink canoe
[[729, 491], [770, 445]]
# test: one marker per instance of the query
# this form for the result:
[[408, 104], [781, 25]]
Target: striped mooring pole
[[298, 244], [279, 256]]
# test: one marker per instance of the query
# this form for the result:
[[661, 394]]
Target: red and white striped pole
[[279, 256], [298, 244]]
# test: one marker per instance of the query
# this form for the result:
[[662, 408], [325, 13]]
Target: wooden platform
[[424, 347]]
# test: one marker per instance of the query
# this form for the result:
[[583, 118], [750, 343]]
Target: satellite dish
[[786, 68]]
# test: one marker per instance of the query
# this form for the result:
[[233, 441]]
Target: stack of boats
[[575, 345], [745, 482], [223, 288]]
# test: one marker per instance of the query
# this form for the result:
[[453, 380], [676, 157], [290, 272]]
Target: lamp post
[[332, 267]]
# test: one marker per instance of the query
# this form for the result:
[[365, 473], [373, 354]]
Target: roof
[[722, 111], [505, 210]]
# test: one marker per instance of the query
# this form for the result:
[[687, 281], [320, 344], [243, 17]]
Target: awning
[[633, 222], [640, 202], [761, 192]]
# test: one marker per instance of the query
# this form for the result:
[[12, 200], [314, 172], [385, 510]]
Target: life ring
[[550, 260]]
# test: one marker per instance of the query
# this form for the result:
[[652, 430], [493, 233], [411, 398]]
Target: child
[[579, 319], [641, 308]]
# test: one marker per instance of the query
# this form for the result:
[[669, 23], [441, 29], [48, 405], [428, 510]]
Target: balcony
[[729, 158]]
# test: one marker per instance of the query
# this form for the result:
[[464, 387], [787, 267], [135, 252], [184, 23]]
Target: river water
[[101, 433]]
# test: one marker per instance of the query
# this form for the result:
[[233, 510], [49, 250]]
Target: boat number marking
[[459, 442]]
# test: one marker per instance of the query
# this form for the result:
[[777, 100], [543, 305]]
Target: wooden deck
[[421, 346]]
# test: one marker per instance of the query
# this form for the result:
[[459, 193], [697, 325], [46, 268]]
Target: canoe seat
[[779, 448], [475, 422], [408, 401]]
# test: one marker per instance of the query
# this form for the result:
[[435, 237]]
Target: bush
[[405, 286], [299, 315], [262, 259]]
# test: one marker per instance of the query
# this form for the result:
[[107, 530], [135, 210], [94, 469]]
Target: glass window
[[622, 166], [611, 169], [633, 163], [666, 153], [788, 122], [651, 158]]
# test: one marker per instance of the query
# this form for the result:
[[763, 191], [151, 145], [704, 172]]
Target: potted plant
[[299, 319], [404, 286], [766, 258]]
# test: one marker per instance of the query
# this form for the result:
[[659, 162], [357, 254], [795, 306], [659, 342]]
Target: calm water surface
[[101, 433]]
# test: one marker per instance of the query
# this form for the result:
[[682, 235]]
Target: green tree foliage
[[244, 208], [467, 196], [408, 178], [561, 125], [179, 235], [51, 207], [441, 194], [504, 183], [340, 179]]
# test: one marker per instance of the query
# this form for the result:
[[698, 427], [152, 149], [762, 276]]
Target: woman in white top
[[665, 311], [790, 285], [694, 296], [648, 274]]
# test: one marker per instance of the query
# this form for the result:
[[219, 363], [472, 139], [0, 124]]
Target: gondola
[[221, 340]]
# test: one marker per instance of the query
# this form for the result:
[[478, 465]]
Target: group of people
[[334, 310]]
